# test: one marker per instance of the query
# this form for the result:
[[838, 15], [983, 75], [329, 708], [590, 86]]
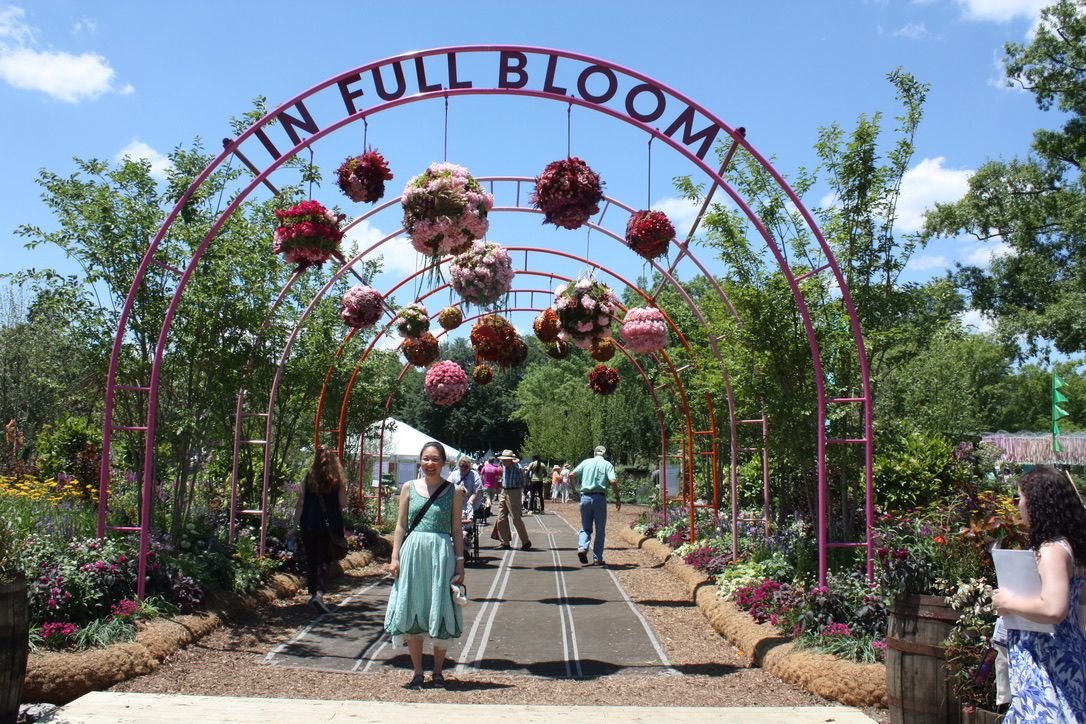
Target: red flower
[[363, 177], [649, 233], [603, 380], [939, 540], [493, 338], [420, 351], [568, 193], [546, 326]]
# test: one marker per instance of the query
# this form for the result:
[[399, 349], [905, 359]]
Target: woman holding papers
[[1048, 670]]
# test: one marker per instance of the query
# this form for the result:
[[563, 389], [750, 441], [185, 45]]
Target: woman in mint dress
[[1048, 670], [425, 566]]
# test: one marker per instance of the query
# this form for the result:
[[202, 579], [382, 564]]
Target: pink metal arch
[[294, 119]]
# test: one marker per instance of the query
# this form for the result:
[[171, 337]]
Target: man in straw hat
[[592, 476], [511, 502]]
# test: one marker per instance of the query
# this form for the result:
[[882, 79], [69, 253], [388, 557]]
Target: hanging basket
[[559, 349], [603, 380], [450, 318], [585, 311], [414, 320], [420, 351], [546, 326], [518, 353], [644, 330], [482, 374], [362, 178], [446, 383], [361, 306], [483, 274], [602, 349], [649, 233], [444, 210], [492, 339], [308, 234], [568, 193]]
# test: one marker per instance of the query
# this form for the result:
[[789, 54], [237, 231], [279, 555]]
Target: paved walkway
[[103, 707], [538, 612]]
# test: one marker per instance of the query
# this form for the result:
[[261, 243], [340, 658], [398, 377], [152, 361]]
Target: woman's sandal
[[438, 680], [416, 682]]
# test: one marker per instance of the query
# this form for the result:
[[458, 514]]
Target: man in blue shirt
[[592, 477], [510, 504]]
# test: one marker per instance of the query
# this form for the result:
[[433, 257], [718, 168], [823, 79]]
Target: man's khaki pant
[[510, 505]]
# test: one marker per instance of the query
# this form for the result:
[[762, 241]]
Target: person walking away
[[491, 473], [566, 475], [592, 476], [427, 560], [320, 509], [537, 474], [556, 483], [509, 505], [1048, 670]]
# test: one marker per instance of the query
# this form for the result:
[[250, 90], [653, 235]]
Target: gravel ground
[[229, 661]]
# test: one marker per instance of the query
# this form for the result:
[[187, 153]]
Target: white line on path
[[564, 609], [491, 603], [640, 617]]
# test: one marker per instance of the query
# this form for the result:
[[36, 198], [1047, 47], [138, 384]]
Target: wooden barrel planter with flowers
[[917, 689], [14, 646]]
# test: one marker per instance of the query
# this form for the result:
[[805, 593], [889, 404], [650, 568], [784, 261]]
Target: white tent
[[396, 453]]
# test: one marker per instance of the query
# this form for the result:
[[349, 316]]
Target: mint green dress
[[421, 604]]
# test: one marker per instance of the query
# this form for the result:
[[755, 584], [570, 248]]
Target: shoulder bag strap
[[425, 506], [324, 511]]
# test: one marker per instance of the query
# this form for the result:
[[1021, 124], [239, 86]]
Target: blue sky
[[99, 79]]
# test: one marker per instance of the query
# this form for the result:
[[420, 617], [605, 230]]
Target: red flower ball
[[492, 339], [546, 326], [603, 380], [362, 178], [649, 233], [568, 193], [482, 374], [420, 351]]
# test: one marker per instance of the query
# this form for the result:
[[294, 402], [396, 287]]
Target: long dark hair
[[326, 475], [1055, 509]]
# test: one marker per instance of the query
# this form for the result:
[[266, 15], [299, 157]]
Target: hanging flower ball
[[649, 233], [644, 330], [420, 351], [546, 326], [446, 383], [413, 320], [450, 318], [602, 349], [308, 234], [362, 178], [518, 353], [559, 349], [568, 193], [482, 374], [603, 380], [585, 311], [361, 306], [492, 338], [483, 274], [444, 210]]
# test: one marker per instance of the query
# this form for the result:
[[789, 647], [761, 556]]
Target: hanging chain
[[365, 135], [648, 185], [310, 173], [569, 130], [446, 157]]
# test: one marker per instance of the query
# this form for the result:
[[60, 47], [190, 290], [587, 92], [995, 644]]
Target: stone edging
[[58, 678], [765, 646]]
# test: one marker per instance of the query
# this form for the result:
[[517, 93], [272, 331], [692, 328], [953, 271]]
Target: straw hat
[[508, 455]]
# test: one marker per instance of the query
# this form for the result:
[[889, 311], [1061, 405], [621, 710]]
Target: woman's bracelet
[[460, 558]]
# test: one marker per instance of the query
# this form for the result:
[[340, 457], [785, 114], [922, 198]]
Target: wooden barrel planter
[[917, 689], [14, 646]]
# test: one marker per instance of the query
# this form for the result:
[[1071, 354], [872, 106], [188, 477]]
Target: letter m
[[686, 121]]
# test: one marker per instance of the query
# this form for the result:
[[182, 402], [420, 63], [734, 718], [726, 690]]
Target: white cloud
[[912, 31], [926, 184], [681, 211], [982, 255], [926, 262], [1002, 11], [64, 76], [138, 150], [400, 258], [86, 25], [976, 320]]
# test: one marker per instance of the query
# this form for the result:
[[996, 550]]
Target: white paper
[[1016, 571]]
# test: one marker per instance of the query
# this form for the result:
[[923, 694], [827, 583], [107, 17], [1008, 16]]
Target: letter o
[[612, 84], [631, 98]]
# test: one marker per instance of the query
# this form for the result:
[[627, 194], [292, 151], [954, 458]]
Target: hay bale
[[58, 678]]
